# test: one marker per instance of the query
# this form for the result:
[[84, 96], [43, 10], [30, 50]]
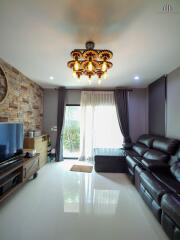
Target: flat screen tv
[[11, 140]]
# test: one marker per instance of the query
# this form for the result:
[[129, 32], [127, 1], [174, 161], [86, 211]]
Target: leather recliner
[[170, 203], [157, 179], [154, 165], [135, 155], [155, 162], [149, 147]]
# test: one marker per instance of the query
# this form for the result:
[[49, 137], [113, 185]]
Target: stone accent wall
[[3, 85], [24, 101]]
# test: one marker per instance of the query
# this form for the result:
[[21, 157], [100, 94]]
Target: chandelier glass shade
[[90, 62]]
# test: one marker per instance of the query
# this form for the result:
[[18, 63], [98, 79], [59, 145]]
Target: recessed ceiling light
[[51, 78], [136, 77]]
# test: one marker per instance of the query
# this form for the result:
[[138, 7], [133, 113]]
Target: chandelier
[[90, 62]]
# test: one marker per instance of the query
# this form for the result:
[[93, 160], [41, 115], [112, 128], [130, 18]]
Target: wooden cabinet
[[30, 167], [40, 144]]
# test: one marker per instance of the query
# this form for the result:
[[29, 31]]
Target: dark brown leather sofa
[[154, 166]]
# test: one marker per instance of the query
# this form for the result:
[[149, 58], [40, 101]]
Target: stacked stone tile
[[24, 101]]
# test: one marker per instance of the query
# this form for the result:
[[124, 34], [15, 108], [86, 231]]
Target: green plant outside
[[71, 137]]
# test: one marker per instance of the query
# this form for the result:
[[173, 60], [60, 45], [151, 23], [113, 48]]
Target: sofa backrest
[[143, 144], [140, 148], [154, 147], [175, 165], [166, 145], [146, 139]]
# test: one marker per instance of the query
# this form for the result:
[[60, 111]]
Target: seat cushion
[[166, 145], [153, 154], [175, 170], [140, 149], [109, 152], [170, 204], [155, 165], [153, 186], [146, 139]]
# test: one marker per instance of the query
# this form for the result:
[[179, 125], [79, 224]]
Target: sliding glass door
[[71, 132]]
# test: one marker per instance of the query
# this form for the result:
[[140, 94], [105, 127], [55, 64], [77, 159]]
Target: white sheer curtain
[[99, 123]]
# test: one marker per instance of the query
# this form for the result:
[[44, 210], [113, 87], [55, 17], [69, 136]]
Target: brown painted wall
[[24, 102]]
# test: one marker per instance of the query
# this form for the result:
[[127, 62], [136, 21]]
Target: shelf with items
[[12, 178], [40, 144]]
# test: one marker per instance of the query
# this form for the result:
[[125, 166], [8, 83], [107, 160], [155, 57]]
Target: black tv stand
[[15, 173], [10, 163]]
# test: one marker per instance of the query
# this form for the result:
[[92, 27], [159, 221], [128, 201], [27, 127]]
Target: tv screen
[[11, 140]]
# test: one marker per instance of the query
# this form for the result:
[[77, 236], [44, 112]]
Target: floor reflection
[[105, 201], [72, 196], [87, 194]]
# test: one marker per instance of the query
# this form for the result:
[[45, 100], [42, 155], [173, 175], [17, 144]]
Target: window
[[71, 132]]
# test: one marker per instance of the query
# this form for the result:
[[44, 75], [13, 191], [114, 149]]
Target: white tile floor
[[65, 205]]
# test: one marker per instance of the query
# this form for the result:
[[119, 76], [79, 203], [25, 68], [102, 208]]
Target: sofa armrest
[[129, 148], [155, 164]]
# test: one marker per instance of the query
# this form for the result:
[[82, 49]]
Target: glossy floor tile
[[65, 205]]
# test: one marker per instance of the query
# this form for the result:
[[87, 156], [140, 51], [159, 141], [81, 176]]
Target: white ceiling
[[37, 36]]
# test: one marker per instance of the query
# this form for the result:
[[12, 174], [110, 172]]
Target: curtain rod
[[100, 89]]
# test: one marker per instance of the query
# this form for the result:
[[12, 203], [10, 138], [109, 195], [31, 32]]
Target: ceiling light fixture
[[90, 62], [136, 78], [51, 78]]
